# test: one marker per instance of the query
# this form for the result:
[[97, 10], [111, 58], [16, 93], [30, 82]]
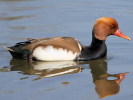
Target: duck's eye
[[112, 26]]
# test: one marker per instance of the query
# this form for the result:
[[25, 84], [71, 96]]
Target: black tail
[[18, 52]]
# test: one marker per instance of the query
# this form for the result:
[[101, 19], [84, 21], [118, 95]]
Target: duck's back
[[47, 49]]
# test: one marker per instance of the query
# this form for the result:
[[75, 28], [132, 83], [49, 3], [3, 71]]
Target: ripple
[[13, 18], [15, 0]]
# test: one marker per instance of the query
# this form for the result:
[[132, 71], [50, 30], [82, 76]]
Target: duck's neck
[[96, 43], [96, 50]]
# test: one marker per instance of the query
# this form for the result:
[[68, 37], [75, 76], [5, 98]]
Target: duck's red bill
[[120, 34]]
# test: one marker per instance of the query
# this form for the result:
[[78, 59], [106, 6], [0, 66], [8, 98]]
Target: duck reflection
[[105, 84], [45, 69]]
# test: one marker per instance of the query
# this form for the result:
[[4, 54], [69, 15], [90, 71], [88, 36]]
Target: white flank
[[51, 54]]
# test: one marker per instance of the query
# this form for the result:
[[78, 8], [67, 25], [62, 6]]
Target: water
[[109, 78]]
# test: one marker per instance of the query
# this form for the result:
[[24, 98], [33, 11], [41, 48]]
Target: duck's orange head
[[106, 26]]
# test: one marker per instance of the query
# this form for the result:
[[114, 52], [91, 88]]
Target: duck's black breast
[[96, 50]]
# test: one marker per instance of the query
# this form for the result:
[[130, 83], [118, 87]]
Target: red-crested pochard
[[68, 48]]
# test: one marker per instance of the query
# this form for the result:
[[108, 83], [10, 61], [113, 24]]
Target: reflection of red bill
[[120, 77]]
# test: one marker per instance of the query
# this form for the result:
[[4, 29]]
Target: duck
[[69, 48]]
